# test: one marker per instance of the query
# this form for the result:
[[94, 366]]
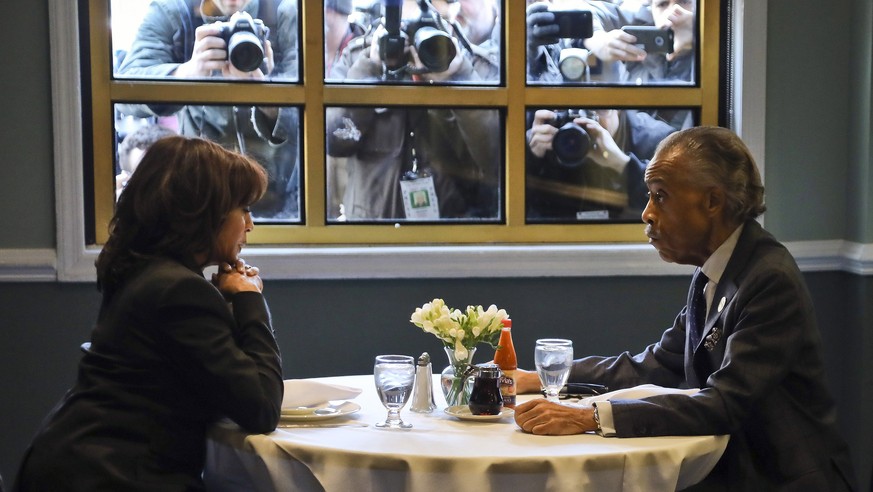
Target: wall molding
[[28, 265], [520, 261]]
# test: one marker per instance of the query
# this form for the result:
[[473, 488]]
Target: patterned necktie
[[696, 318]]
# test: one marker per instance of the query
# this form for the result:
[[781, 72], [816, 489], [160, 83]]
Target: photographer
[[455, 151], [609, 43], [480, 22], [389, 52], [185, 39], [589, 165], [627, 62], [131, 150], [549, 37]]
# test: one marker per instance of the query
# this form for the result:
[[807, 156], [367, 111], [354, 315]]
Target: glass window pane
[[176, 39], [408, 41], [267, 134], [589, 164], [414, 164], [632, 42]]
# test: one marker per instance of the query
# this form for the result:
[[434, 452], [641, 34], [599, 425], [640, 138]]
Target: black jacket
[[166, 359]]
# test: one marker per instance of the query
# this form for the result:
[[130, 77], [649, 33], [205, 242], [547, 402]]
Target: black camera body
[[428, 33], [651, 38], [245, 38], [571, 143], [573, 23]]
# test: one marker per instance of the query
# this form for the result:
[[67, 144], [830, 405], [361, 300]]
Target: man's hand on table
[[540, 416], [543, 417]]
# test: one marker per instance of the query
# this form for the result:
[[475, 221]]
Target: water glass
[[394, 376], [553, 358]]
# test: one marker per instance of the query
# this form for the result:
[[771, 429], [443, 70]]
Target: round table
[[442, 453]]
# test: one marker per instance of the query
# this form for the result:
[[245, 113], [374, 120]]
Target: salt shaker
[[422, 392]]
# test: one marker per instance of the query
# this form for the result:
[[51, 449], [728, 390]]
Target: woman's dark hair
[[174, 205]]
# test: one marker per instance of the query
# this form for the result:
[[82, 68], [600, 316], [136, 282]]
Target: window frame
[[607, 249]]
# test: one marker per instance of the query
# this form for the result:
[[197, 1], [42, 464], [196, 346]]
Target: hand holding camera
[[541, 26], [547, 25], [681, 22], [615, 45], [573, 136], [602, 150], [420, 45], [542, 132], [238, 48]]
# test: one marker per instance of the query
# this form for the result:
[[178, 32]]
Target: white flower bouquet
[[460, 332]]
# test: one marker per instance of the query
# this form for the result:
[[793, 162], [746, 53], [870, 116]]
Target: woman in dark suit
[[172, 352]]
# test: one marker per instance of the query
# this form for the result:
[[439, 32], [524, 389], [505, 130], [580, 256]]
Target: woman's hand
[[239, 277]]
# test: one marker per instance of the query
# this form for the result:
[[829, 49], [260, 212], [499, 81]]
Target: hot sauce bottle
[[507, 362]]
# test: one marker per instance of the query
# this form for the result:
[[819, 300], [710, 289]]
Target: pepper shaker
[[422, 392]]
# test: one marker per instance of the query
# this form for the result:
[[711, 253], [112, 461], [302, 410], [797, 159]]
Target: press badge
[[419, 196], [593, 215]]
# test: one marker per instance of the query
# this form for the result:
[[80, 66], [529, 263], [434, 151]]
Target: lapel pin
[[711, 341], [721, 304]]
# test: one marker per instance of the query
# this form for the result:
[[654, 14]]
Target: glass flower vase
[[456, 380]]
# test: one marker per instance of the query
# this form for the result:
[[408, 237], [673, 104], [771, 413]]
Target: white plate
[[321, 412], [463, 412]]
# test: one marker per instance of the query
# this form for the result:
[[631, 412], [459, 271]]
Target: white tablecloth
[[441, 453]]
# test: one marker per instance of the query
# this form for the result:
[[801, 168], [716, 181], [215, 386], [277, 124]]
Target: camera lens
[[435, 48], [571, 144], [573, 63], [244, 51]]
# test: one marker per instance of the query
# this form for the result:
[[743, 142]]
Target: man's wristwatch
[[597, 421]]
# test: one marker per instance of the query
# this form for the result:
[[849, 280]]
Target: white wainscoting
[[37, 265]]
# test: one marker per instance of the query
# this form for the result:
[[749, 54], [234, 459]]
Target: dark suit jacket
[[167, 358], [760, 370]]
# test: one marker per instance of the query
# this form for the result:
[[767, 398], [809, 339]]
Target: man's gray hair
[[712, 156]]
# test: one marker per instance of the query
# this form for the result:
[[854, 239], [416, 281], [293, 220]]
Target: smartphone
[[651, 38], [574, 24], [580, 390]]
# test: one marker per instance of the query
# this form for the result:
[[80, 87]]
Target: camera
[[245, 39], [429, 33], [574, 24], [570, 145], [652, 39]]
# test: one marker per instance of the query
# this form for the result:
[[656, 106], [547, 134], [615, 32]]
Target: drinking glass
[[394, 375], [553, 358]]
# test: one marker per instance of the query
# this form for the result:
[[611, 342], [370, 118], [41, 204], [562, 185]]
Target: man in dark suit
[[754, 351]]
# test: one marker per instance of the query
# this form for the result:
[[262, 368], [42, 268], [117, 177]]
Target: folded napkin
[[306, 393], [637, 392]]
